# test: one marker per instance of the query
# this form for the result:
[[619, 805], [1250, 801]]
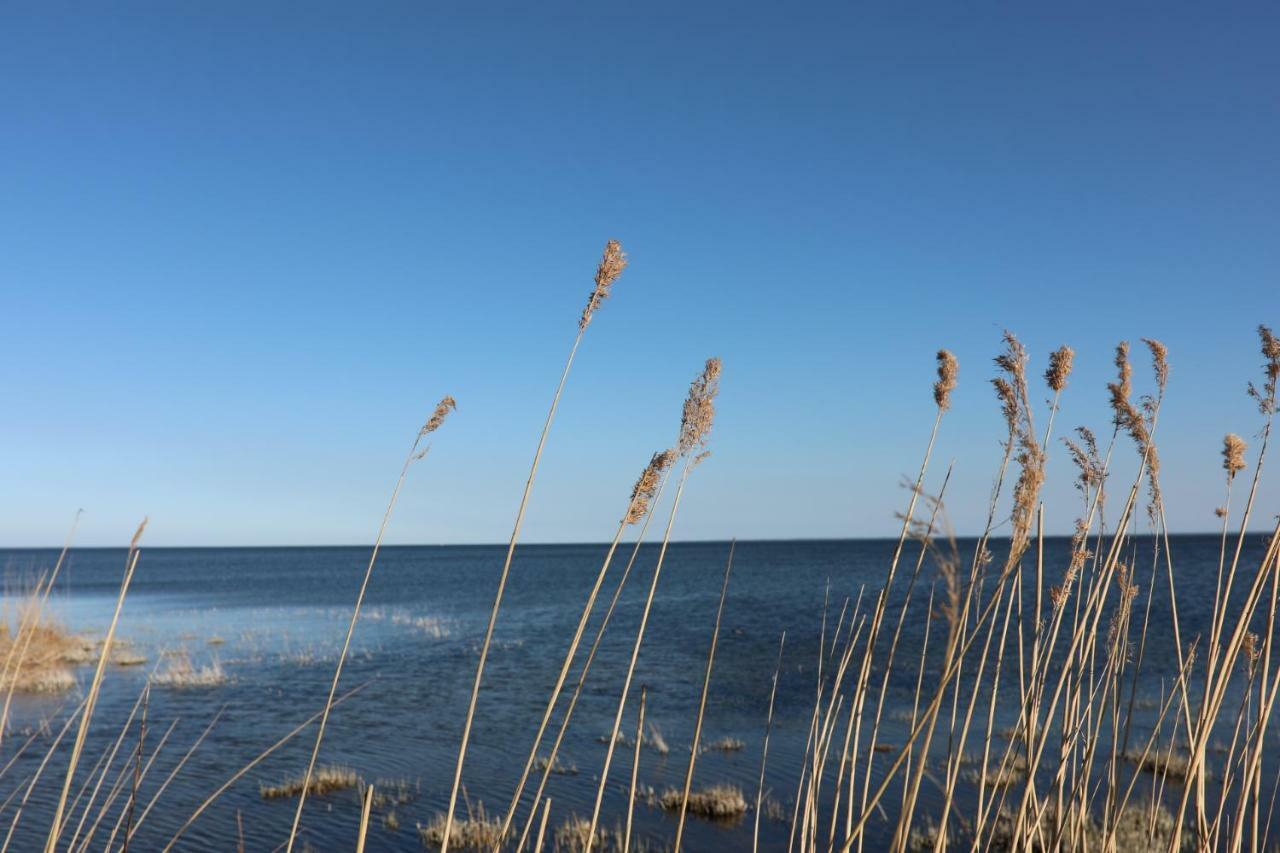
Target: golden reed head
[[612, 263], [948, 368]]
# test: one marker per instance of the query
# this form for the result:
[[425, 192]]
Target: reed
[[433, 422], [695, 748], [86, 712], [612, 263], [697, 418]]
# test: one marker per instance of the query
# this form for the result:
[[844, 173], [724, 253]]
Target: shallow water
[[274, 618]]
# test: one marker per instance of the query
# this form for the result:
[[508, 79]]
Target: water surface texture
[[274, 618]]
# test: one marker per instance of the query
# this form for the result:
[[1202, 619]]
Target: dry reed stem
[[104, 764], [696, 422], [764, 747], [365, 808], [131, 562], [591, 654], [611, 265], [635, 771], [542, 826], [702, 703], [432, 424], [635, 654], [35, 777], [174, 772], [637, 508], [262, 756]]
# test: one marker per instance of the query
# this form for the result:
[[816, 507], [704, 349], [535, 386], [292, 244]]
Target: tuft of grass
[[655, 740], [1174, 765], [180, 673], [718, 802], [558, 767], [572, 837], [477, 831], [325, 780], [38, 652], [725, 744]]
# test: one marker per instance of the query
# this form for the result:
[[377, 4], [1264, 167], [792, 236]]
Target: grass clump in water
[[477, 831], [324, 780], [181, 673], [725, 744], [719, 802]]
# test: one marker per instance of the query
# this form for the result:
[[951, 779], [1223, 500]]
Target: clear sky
[[245, 247]]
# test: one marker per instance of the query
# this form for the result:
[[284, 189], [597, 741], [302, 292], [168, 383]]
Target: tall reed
[[433, 422], [696, 421], [612, 263]]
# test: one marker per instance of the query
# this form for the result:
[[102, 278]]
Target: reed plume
[[1266, 396], [612, 263], [647, 486], [645, 490], [696, 420], [948, 368], [1059, 368], [1233, 448]]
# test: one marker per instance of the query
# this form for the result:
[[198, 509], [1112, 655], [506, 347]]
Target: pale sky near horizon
[[245, 247]]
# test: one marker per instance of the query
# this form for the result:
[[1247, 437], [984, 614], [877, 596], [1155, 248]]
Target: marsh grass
[[721, 802], [180, 673], [324, 780], [724, 744], [477, 831], [39, 653]]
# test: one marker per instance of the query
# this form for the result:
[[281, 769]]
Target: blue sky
[[247, 246]]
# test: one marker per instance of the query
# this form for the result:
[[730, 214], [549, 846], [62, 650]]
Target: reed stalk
[[612, 263], [702, 703], [696, 421], [764, 746], [86, 714], [432, 423]]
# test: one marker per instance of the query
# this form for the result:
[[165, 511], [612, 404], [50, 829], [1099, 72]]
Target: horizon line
[[583, 543]]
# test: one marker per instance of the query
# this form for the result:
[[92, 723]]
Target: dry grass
[[38, 652], [1160, 762], [724, 744], [180, 673], [556, 766], [325, 780], [718, 802], [477, 831]]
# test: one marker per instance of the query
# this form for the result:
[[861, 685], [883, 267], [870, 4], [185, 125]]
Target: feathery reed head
[[647, 485], [699, 408], [948, 367], [1159, 362], [612, 263], [1008, 402], [1122, 388], [437, 417], [137, 534], [1233, 448], [1271, 371], [1059, 367], [1012, 387]]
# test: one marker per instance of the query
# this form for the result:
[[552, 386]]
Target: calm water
[[280, 614]]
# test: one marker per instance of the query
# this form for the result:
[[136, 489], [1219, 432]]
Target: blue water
[[277, 617]]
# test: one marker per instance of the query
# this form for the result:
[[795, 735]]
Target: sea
[[272, 621]]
